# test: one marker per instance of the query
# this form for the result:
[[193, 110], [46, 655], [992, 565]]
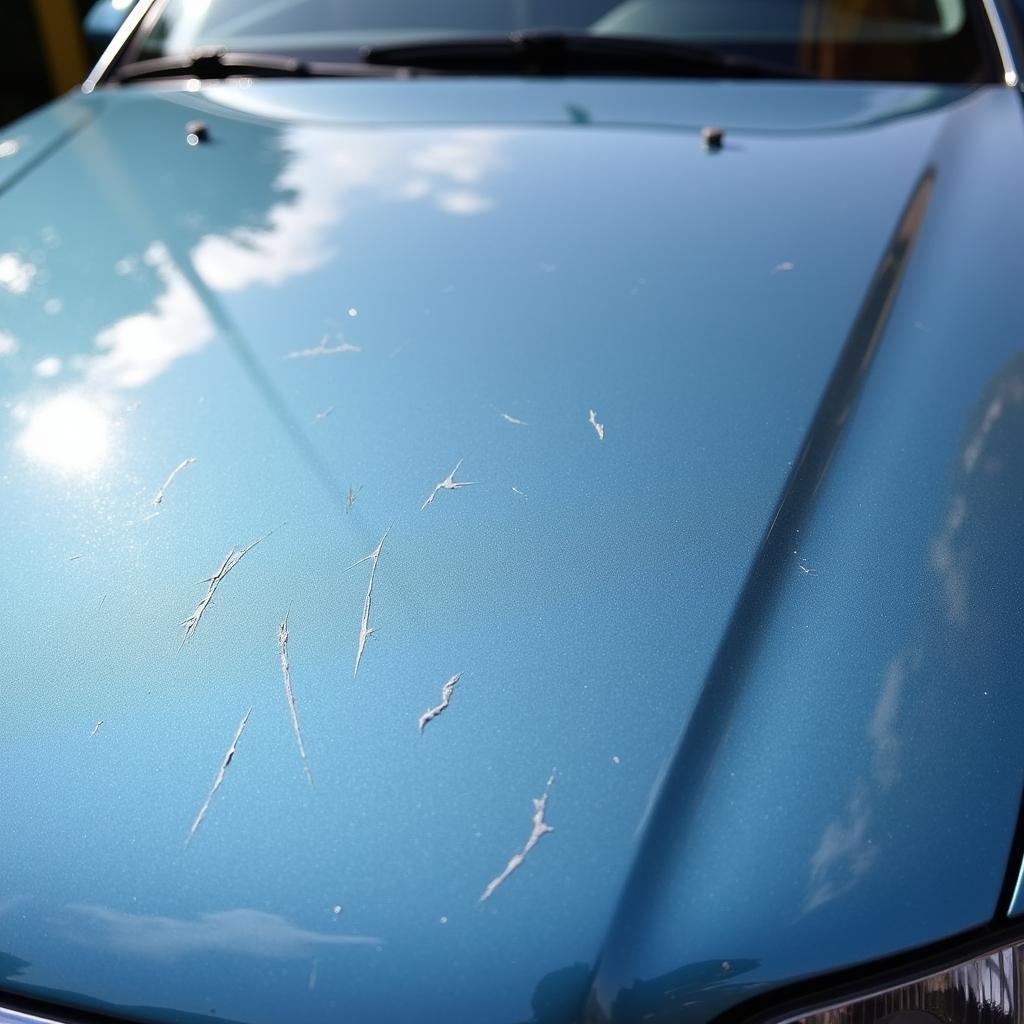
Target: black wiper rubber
[[220, 63], [558, 53]]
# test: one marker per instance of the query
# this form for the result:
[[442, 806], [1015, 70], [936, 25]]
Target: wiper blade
[[562, 53], [219, 63]]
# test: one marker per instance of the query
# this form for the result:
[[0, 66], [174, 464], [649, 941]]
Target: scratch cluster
[[449, 483], [219, 779], [365, 630], [212, 583], [446, 698], [282, 642], [170, 479], [323, 349], [540, 829]]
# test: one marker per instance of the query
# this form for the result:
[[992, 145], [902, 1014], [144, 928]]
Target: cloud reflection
[[845, 852], [993, 432], [464, 202], [16, 275], [245, 931], [49, 366], [139, 348], [325, 177]]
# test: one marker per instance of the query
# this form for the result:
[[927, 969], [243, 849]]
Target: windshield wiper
[[561, 53], [219, 63]]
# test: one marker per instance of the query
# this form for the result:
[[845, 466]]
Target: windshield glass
[[896, 40]]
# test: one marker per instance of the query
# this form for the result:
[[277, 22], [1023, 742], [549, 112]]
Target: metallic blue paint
[[766, 632]]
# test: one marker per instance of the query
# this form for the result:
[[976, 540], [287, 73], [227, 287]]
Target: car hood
[[701, 470]]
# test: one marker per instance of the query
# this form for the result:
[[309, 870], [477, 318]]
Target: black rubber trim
[[842, 986]]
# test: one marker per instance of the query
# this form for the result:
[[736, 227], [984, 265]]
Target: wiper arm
[[562, 53], [218, 63]]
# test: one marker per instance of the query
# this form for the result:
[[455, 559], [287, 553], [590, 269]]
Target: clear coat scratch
[[784, 267], [449, 483], [220, 776], [282, 642], [522, 494], [317, 417], [167, 483], [512, 419], [212, 583], [446, 698], [598, 427], [540, 828], [323, 349], [96, 728], [365, 630]]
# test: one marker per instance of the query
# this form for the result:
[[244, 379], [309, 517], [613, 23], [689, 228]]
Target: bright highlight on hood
[[68, 433]]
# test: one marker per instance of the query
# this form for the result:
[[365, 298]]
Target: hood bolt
[[712, 138], [196, 132]]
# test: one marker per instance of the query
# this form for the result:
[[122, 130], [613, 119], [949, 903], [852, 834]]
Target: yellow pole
[[63, 46]]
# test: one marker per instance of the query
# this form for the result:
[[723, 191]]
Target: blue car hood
[[702, 471]]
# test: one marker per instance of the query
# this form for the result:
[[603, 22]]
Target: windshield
[[895, 40]]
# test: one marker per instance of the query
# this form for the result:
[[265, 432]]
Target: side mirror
[[105, 17]]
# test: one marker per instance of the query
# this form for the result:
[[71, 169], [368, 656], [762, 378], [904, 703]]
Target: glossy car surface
[[762, 629]]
